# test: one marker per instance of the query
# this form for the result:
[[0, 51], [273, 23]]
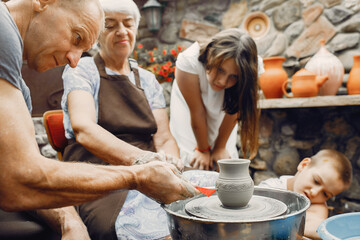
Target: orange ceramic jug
[[272, 79], [304, 84], [353, 83]]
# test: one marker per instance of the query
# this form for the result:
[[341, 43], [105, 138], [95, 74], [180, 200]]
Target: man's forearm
[[47, 183]]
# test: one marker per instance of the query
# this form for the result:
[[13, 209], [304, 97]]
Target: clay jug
[[326, 63], [304, 84], [353, 83], [234, 185], [273, 78]]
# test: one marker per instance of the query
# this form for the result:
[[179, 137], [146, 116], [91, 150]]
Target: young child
[[319, 178], [216, 87]]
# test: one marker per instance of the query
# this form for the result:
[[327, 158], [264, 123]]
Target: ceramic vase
[[326, 63], [353, 83], [234, 185], [272, 79]]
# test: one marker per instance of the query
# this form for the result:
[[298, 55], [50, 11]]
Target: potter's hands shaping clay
[[148, 156], [162, 181]]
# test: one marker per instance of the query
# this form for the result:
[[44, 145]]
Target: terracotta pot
[[272, 79], [234, 185], [304, 84], [326, 63], [353, 83]]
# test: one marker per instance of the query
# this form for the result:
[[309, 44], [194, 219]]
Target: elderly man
[[50, 33]]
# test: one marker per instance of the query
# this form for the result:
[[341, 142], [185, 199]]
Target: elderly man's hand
[[148, 156], [162, 181]]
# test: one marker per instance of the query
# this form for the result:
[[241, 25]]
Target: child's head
[[231, 63], [323, 176]]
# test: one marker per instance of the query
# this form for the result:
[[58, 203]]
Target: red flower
[[165, 67], [173, 52], [160, 62]]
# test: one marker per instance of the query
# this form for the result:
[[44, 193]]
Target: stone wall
[[296, 26]]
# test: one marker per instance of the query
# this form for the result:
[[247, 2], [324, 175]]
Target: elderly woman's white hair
[[122, 6]]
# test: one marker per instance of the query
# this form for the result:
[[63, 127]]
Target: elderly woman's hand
[[74, 230], [148, 156], [163, 182]]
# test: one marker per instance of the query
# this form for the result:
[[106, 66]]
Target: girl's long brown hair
[[243, 96]]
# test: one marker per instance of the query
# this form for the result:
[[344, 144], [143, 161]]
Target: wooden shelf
[[319, 101]]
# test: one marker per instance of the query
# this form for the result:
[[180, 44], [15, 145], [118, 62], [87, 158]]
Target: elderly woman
[[116, 112]]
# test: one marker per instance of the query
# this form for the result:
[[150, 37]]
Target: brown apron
[[125, 112]]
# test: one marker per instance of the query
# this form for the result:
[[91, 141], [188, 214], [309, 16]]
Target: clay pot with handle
[[304, 83], [353, 83]]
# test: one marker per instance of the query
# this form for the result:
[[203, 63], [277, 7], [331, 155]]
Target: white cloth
[[141, 218], [280, 183]]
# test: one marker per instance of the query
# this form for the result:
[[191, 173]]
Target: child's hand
[[219, 153], [201, 160]]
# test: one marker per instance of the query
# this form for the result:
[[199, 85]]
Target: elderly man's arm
[[30, 181]]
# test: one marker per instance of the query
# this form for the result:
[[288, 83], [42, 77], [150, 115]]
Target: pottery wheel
[[258, 208]]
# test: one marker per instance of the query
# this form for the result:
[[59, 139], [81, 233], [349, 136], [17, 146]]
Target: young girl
[[216, 86]]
